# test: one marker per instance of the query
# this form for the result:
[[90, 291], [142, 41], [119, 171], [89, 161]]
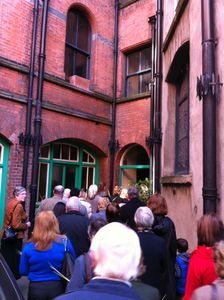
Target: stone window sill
[[79, 82], [177, 180]]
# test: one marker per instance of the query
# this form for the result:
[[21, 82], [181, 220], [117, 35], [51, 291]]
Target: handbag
[[67, 265], [10, 234], [68, 262]]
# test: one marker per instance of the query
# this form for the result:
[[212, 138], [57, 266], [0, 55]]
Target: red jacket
[[201, 270]]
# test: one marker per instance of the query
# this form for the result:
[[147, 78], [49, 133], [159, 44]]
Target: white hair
[[144, 217], [93, 189], [116, 251], [73, 203], [66, 193]]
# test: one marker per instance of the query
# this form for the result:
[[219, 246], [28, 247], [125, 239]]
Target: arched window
[[134, 165], [4, 154], [66, 164], [78, 44]]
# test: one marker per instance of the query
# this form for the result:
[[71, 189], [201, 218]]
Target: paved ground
[[23, 285]]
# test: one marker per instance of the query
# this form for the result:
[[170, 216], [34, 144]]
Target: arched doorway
[[67, 164], [134, 165]]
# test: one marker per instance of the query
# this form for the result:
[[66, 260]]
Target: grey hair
[[133, 192], [58, 189], [18, 190], [92, 191], [73, 203], [144, 217]]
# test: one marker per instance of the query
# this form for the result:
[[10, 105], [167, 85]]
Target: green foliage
[[145, 188]]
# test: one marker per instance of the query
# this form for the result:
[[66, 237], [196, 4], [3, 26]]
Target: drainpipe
[[157, 135], [27, 139], [113, 143], [149, 140], [38, 118], [209, 190]]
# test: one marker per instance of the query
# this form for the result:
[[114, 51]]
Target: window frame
[[75, 48], [185, 76], [3, 177], [79, 164], [139, 73]]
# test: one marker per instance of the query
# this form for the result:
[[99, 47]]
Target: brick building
[[111, 90], [75, 94]]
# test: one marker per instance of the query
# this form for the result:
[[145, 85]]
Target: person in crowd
[[123, 196], [153, 250], [16, 217], [116, 195], [93, 197], [45, 248], [83, 272], [113, 212], [214, 291], [75, 193], [164, 227], [59, 209], [128, 210], [66, 194], [201, 269], [101, 209], [49, 203], [84, 202], [102, 190], [116, 254], [75, 226], [181, 267]]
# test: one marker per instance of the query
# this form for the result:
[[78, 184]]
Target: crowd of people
[[122, 247]]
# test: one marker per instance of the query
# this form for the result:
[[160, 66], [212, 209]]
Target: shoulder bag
[[68, 263], [10, 234]]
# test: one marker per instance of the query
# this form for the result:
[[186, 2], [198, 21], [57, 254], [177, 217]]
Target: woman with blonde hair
[[43, 250]]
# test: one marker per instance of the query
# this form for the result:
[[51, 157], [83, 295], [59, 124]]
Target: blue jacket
[[36, 264], [181, 268], [98, 289]]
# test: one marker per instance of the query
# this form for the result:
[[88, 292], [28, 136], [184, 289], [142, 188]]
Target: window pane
[[85, 156], [71, 27], [44, 152], [83, 34], [91, 159], [84, 183], [133, 85], [70, 178], [57, 175], [65, 152], [145, 83], [43, 182], [56, 149], [69, 57], [81, 65], [73, 153], [133, 62], [90, 177], [146, 58]]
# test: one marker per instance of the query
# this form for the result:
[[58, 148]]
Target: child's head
[[182, 245]]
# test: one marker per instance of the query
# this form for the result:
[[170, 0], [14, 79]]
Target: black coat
[[128, 210], [75, 226], [154, 259], [164, 227]]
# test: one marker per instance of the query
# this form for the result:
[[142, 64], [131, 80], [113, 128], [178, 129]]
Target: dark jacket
[[99, 289], [154, 259], [164, 227], [128, 210], [75, 226], [181, 268]]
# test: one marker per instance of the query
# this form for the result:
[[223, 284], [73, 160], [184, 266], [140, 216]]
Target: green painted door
[[4, 155]]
